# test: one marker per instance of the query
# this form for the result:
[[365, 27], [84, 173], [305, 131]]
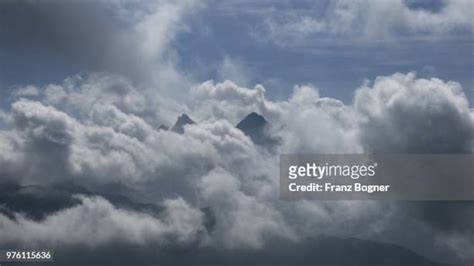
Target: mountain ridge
[[181, 121]]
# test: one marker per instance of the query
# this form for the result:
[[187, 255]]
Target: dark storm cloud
[[80, 33], [91, 36], [71, 28]]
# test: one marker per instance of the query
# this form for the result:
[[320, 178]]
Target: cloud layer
[[214, 186]]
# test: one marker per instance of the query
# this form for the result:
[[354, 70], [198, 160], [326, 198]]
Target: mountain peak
[[252, 121], [255, 126], [182, 120], [186, 118]]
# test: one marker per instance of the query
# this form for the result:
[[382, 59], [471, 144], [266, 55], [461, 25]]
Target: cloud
[[81, 93], [130, 39], [95, 221], [229, 101], [318, 125], [27, 91], [365, 21], [234, 69], [403, 114], [241, 220], [218, 188]]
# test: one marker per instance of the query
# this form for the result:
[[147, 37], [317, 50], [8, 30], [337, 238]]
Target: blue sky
[[334, 64], [332, 45]]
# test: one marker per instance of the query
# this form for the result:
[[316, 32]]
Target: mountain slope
[[182, 120], [256, 126]]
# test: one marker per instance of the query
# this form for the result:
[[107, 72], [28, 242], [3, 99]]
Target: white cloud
[[95, 221], [235, 70], [403, 114], [365, 20], [229, 101], [242, 220], [101, 130], [27, 91]]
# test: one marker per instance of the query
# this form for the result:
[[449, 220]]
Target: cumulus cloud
[[318, 125], [80, 95], [218, 188], [403, 114], [240, 219], [229, 101]]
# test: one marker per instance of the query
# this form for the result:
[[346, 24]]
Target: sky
[[85, 86], [332, 45]]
